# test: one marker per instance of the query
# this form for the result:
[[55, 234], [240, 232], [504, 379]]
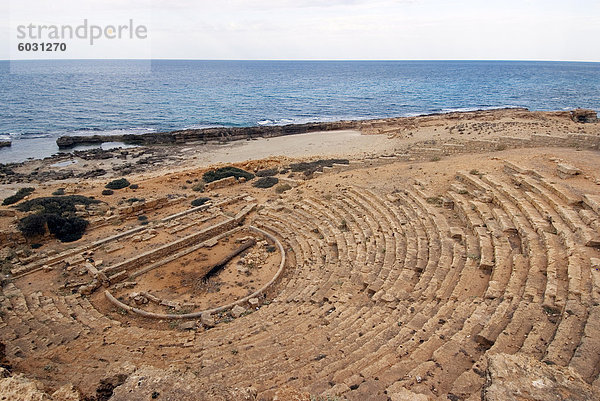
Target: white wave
[[467, 109], [116, 131], [199, 126], [34, 136]]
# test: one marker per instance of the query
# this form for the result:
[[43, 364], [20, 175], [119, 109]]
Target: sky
[[329, 30]]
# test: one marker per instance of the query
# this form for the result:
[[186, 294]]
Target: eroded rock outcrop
[[584, 116], [20, 388], [522, 378], [148, 383], [220, 134]]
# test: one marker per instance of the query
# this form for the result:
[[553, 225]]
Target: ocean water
[[104, 97]]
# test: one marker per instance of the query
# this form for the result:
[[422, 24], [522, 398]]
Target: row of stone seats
[[509, 274], [382, 361], [483, 214], [572, 232], [565, 279], [373, 360], [423, 308], [356, 323]]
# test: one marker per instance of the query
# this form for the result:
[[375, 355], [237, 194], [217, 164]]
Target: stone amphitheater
[[459, 271]]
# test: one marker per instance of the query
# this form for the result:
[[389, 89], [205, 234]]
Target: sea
[[42, 100]]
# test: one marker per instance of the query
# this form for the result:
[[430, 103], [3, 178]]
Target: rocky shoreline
[[229, 134], [178, 149], [225, 134]]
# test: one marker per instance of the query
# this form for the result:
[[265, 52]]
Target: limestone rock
[[290, 394], [584, 116], [20, 388], [207, 319], [567, 171], [66, 393], [191, 325], [237, 311], [406, 395], [522, 378], [174, 385]]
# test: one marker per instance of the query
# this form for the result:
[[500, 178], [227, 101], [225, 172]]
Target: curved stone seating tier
[[377, 292]]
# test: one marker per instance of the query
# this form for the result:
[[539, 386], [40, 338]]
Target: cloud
[[359, 29]]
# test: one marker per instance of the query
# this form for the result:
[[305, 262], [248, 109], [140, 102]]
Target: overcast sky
[[350, 29]]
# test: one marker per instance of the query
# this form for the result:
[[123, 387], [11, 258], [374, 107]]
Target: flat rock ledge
[[221, 134], [522, 378]]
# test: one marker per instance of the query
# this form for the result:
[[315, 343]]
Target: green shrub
[[134, 186], [66, 229], [281, 188], [225, 172], [118, 184], [199, 201], [266, 182], [32, 226], [142, 218], [59, 192], [267, 172], [55, 214], [132, 200], [21, 193], [60, 205], [107, 192]]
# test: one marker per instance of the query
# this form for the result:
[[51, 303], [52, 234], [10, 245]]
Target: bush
[[32, 226], [267, 172], [66, 229], [281, 188], [225, 172], [107, 192], [59, 192], [142, 218], [199, 201], [118, 184], [57, 214], [59, 205], [133, 200], [198, 187], [134, 186], [310, 167], [266, 182], [21, 193]]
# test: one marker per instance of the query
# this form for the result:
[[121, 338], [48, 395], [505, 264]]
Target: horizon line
[[309, 59]]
